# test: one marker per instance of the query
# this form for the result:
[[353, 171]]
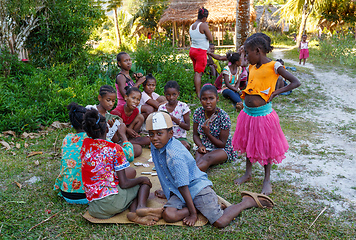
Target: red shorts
[[199, 59]]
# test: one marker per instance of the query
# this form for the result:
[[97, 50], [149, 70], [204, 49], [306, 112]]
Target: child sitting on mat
[[109, 182], [188, 189], [69, 181]]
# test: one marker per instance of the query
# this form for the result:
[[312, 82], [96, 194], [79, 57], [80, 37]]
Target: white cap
[[158, 121]]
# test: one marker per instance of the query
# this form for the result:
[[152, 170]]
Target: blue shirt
[[176, 168]]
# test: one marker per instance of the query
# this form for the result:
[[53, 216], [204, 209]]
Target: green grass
[[21, 209], [296, 207]]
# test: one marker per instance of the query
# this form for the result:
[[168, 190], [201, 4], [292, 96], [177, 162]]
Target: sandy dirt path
[[334, 171]]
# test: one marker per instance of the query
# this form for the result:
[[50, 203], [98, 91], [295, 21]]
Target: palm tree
[[295, 9], [114, 5], [242, 21]]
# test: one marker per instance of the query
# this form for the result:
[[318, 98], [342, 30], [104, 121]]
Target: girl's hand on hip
[[272, 96]]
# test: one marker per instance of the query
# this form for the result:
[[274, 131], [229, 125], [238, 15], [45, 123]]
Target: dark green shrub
[[166, 63]]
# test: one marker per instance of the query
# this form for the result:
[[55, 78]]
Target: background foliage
[[63, 30]]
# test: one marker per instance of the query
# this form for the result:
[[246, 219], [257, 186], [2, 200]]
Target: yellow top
[[262, 81]]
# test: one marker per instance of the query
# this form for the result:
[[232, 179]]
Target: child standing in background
[[150, 101], [69, 180], [179, 112], [258, 133], [303, 49]]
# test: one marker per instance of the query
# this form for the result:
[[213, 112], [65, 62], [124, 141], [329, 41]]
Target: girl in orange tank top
[[258, 132]]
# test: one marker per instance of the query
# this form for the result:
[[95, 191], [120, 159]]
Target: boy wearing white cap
[[186, 187]]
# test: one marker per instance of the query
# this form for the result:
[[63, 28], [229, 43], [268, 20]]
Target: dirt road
[[334, 170]]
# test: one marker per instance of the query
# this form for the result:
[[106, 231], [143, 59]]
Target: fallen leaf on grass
[[26, 145], [9, 133], [30, 135], [5, 144], [60, 125], [34, 153], [17, 201], [18, 145], [18, 184]]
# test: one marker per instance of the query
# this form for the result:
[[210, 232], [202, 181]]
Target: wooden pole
[[218, 34], [173, 32], [183, 35]]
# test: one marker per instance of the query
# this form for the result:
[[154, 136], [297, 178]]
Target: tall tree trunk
[[261, 19], [118, 36], [307, 9], [242, 21]]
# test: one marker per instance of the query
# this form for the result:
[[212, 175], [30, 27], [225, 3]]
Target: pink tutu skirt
[[259, 135]]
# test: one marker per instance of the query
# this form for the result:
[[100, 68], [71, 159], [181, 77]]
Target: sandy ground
[[335, 171]]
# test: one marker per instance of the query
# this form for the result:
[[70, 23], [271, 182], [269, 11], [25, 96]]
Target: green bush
[[33, 97], [340, 48], [166, 63]]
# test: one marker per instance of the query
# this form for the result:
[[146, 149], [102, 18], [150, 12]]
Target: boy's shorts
[[113, 204], [199, 59], [206, 201]]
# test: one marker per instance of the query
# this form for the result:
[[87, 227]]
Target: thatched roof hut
[[186, 11]]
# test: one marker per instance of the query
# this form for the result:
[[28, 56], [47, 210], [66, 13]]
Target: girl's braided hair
[[76, 115], [105, 89], [259, 40], [94, 124]]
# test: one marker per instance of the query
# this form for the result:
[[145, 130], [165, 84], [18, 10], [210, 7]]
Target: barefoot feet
[[244, 178], [153, 212], [267, 188], [147, 220], [160, 194]]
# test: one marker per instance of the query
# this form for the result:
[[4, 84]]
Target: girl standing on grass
[[303, 49], [123, 79], [69, 180], [179, 112], [131, 116], [258, 133], [150, 101], [211, 131], [107, 99], [109, 181]]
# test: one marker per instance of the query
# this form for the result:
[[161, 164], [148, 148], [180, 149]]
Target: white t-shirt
[[145, 97]]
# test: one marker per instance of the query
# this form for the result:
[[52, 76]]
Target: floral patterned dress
[[70, 176], [100, 160], [221, 122], [179, 111]]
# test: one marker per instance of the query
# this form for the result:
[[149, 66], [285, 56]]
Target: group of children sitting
[[96, 159]]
